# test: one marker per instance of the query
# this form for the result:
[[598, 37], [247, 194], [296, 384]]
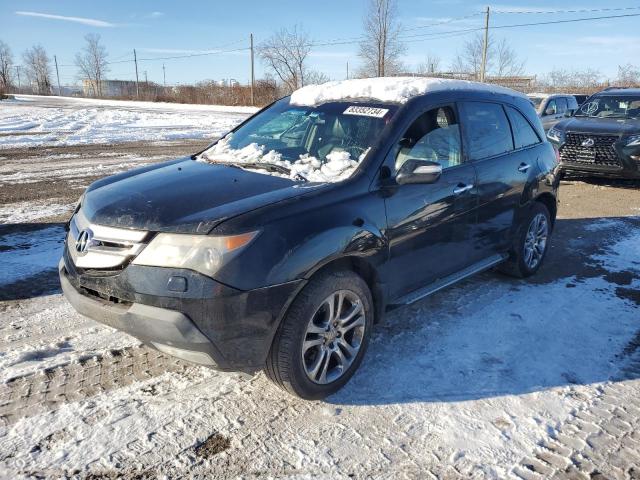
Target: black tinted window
[[486, 129], [523, 133]]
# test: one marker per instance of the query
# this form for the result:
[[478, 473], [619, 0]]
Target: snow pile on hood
[[338, 165], [386, 89]]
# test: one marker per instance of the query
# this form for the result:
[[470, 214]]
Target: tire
[[291, 368], [519, 265]]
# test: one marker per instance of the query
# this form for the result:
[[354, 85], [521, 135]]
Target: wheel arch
[[549, 201], [364, 269]]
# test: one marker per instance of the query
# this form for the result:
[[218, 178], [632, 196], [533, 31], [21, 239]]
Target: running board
[[419, 294]]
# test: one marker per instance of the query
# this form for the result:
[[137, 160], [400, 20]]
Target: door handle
[[524, 167], [461, 188]]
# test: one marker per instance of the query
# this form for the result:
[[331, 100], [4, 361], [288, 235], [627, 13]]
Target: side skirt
[[420, 293]]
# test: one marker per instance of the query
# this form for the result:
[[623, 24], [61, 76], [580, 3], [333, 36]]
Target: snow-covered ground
[[474, 377], [30, 121], [464, 384]]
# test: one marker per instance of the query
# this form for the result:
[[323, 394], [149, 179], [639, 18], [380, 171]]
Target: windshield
[[323, 143], [605, 106]]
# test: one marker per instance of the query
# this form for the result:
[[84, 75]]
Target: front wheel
[[531, 243], [323, 336]]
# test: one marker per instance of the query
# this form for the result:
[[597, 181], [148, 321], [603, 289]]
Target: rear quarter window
[[486, 129], [523, 133]]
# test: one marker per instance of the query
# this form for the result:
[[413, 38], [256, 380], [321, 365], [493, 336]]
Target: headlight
[[201, 253], [554, 134], [633, 141]]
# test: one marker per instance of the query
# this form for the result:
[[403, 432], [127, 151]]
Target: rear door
[[429, 226], [503, 169]]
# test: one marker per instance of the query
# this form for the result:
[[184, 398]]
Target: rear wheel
[[531, 244], [323, 336]]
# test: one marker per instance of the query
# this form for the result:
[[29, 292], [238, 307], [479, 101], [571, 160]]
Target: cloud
[[156, 15], [85, 21], [611, 41]]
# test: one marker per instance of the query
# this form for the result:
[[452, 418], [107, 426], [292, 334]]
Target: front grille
[[106, 248], [602, 153]]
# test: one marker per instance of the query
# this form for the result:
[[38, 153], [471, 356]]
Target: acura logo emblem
[[84, 241], [589, 142]]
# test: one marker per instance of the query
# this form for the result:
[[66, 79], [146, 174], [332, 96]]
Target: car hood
[[605, 126], [184, 196]]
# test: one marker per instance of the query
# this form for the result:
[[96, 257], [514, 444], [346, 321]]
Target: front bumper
[[209, 323]]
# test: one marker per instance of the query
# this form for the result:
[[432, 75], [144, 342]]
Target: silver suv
[[552, 108]]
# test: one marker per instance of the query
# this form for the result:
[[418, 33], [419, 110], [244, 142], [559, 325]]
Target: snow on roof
[[386, 89]]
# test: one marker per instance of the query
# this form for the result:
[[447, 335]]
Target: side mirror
[[418, 171], [550, 111], [569, 113]]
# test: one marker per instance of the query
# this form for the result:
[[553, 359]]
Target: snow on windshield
[[386, 89], [338, 164]]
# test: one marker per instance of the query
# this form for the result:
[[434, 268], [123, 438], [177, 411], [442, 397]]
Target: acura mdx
[[279, 246]]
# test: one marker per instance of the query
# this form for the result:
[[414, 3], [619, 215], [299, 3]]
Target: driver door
[[429, 226]]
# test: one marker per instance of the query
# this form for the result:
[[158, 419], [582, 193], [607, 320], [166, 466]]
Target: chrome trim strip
[[124, 244]]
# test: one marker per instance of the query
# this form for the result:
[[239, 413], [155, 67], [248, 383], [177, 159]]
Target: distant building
[[109, 88]]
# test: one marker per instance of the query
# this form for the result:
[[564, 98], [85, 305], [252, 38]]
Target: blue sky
[[164, 28]]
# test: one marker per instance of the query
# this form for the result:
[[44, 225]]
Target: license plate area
[[586, 155]]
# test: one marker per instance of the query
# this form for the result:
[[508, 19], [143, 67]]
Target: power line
[[581, 10], [573, 20]]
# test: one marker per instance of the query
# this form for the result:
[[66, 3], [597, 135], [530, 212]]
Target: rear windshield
[[536, 101], [611, 106], [320, 143]]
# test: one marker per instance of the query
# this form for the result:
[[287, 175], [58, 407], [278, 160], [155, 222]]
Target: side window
[[434, 136], [523, 133], [551, 108], [572, 103], [486, 129], [562, 105]]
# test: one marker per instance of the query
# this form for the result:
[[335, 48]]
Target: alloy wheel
[[333, 337], [535, 242]]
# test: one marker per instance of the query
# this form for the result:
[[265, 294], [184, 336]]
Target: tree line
[[285, 55]]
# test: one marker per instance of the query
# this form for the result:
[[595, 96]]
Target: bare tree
[[6, 67], [285, 53], [381, 47], [430, 66], [38, 67], [507, 63], [502, 60], [92, 62], [587, 80], [628, 75]]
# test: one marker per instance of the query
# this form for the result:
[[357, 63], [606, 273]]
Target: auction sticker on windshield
[[366, 111]]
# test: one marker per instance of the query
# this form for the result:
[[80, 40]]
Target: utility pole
[[253, 78], [485, 47], [164, 77], [135, 59], [347, 69], [18, 74], [146, 80], [55, 60]]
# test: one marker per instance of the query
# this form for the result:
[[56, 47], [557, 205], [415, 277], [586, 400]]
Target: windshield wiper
[[272, 167]]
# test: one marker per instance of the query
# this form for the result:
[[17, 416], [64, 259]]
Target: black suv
[[280, 245], [603, 136]]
